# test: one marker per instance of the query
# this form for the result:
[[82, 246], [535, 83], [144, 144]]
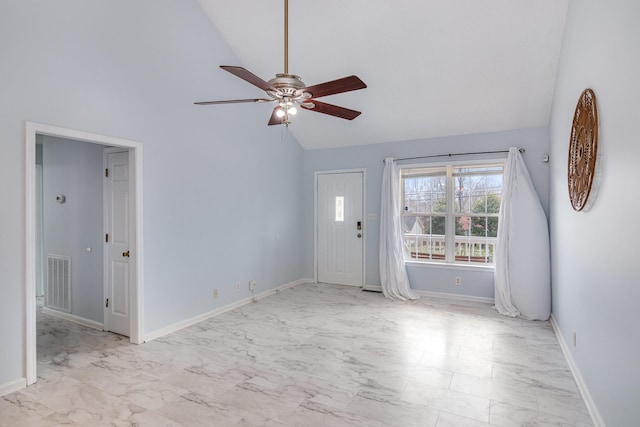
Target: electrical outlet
[[215, 293], [237, 286], [252, 285], [458, 281], [575, 339]]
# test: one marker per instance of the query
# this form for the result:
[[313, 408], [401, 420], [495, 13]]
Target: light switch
[[372, 217]]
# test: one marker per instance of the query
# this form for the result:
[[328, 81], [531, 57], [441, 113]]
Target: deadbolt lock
[[359, 225]]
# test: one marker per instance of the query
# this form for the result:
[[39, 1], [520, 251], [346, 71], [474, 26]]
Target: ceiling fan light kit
[[288, 90]]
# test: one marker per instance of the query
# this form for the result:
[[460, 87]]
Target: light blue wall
[[222, 191], [369, 157], [74, 169], [595, 268]]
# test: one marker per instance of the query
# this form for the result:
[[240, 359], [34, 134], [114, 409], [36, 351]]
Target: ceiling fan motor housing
[[289, 86]]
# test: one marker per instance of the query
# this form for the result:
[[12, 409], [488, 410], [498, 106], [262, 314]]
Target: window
[[339, 208], [450, 213]]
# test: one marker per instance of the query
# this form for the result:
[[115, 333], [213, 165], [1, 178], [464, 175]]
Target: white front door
[[340, 228], [118, 254]]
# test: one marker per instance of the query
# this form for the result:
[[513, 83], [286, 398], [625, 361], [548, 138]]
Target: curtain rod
[[522, 150]]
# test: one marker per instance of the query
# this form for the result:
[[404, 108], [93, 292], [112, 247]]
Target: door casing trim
[[135, 168]]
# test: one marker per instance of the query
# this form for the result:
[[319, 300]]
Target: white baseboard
[[13, 386], [439, 295], [218, 311], [456, 297], [584, 391], [73, 318]]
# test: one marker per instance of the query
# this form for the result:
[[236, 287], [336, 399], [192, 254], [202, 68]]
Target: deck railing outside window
[[476, 250]]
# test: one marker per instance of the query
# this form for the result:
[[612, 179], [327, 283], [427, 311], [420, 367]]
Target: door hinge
[[107, 303], [106, 172], [106, 238]]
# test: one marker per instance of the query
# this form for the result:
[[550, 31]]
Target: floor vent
[[58, 296]]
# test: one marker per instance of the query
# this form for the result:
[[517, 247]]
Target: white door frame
[[315, 219], [135, 168], [39, 233]]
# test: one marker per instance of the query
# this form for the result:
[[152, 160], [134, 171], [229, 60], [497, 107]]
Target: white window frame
[[450, 214]]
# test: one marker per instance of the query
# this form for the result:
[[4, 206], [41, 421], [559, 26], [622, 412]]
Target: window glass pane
[[440, 203], [475, 239], [423, 224], [495, 169], [339, 208], [424, 194], [492, 226], [424, 247], [437, 225], [474, 251], [479, 226], [477, 194], [409, 225], [463, 224], [461, 250], [430, 171], [424, 237], [483, 226]]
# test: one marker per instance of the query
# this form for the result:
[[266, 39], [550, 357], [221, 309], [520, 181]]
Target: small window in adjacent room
[[339, 208], [450, 213]]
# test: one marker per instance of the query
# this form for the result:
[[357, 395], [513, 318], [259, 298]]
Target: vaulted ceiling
[[432, 67]]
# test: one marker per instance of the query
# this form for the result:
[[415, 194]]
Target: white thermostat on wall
[[60, 198]]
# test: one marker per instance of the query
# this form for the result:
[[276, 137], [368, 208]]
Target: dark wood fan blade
[[275, 120], [332, 110], [345, 84], [248, 76], [233, 101]]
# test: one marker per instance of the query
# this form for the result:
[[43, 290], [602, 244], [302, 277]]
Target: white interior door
[[340, 228], [118, 254]]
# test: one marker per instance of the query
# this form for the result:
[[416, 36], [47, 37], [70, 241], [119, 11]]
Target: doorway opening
[[133, 215]]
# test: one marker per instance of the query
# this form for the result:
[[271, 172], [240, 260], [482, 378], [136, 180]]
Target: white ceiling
[[432, 67]]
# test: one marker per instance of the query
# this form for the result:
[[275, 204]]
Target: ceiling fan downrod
[[286, 36]]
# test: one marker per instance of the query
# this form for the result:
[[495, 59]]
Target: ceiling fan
[[288, 90]]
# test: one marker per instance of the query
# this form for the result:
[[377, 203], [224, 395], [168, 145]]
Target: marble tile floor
[[312, 355]]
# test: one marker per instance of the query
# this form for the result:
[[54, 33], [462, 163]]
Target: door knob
[[359, 235], [125, 254]]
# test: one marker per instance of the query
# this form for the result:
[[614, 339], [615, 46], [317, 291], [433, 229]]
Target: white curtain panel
[[393, 273], [522, 273]]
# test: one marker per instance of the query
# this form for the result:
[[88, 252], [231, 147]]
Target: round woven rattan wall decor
[[583, 147]]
